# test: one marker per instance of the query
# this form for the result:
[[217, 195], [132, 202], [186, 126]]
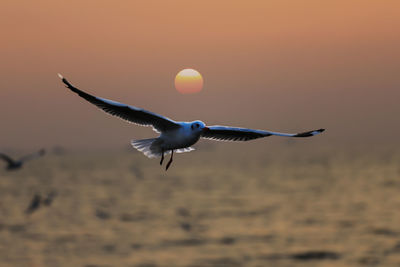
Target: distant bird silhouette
[[35, 204], [186, 226], [17, 164], [174, 136], [37, 201]]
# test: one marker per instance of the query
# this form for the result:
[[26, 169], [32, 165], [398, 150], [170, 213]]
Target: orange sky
[[277, 65]]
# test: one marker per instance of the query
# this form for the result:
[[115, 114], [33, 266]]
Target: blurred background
[[288, 66]]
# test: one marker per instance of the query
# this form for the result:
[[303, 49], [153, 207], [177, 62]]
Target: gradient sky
[[277, 65]]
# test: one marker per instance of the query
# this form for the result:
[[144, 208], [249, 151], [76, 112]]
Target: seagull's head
[[198, 126]]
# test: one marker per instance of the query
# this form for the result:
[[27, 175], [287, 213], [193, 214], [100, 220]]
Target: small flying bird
[[17, 164], [37, 201], [174, 136]]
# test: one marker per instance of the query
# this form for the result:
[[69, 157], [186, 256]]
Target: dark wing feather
[[224, 133], [33, 155], [6, 158], [129, 113], [35, 204]]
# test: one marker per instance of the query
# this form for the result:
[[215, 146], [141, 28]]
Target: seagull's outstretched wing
[[224, 133], [6, 158], [129, 113], [34, 155]]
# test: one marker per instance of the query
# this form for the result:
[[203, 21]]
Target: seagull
[[38, 201], [17, 164], [174, 136]]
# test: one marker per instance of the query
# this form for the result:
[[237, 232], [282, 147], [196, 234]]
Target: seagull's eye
[[192, 126], [197, 125]]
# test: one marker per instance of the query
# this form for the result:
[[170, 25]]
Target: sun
[[188, 81]]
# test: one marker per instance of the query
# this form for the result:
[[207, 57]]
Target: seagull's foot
[[170, 161], [168, 164], [162, 158]]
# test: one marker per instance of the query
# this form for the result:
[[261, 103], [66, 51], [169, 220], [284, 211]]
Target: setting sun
[[188, 81]]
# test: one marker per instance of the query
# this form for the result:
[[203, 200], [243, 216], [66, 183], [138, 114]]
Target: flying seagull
[[38, 201], [17, 164], [174, 136]]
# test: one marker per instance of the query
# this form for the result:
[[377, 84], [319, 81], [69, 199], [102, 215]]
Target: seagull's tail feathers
[[149, 147], [152, 147]]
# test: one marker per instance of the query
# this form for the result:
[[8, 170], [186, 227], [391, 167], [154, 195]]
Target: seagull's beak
[[205, 129]]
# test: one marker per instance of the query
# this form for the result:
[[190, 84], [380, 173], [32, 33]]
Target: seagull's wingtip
[[67, 84], [315, 132], [309, 133]]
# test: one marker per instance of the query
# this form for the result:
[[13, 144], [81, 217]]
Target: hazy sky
[[277, 65]]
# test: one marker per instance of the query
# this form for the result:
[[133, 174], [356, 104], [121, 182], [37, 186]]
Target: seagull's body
[[17, 164], [174, 136]]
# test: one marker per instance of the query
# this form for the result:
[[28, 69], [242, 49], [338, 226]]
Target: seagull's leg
[[170, 160], [162, 157]]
